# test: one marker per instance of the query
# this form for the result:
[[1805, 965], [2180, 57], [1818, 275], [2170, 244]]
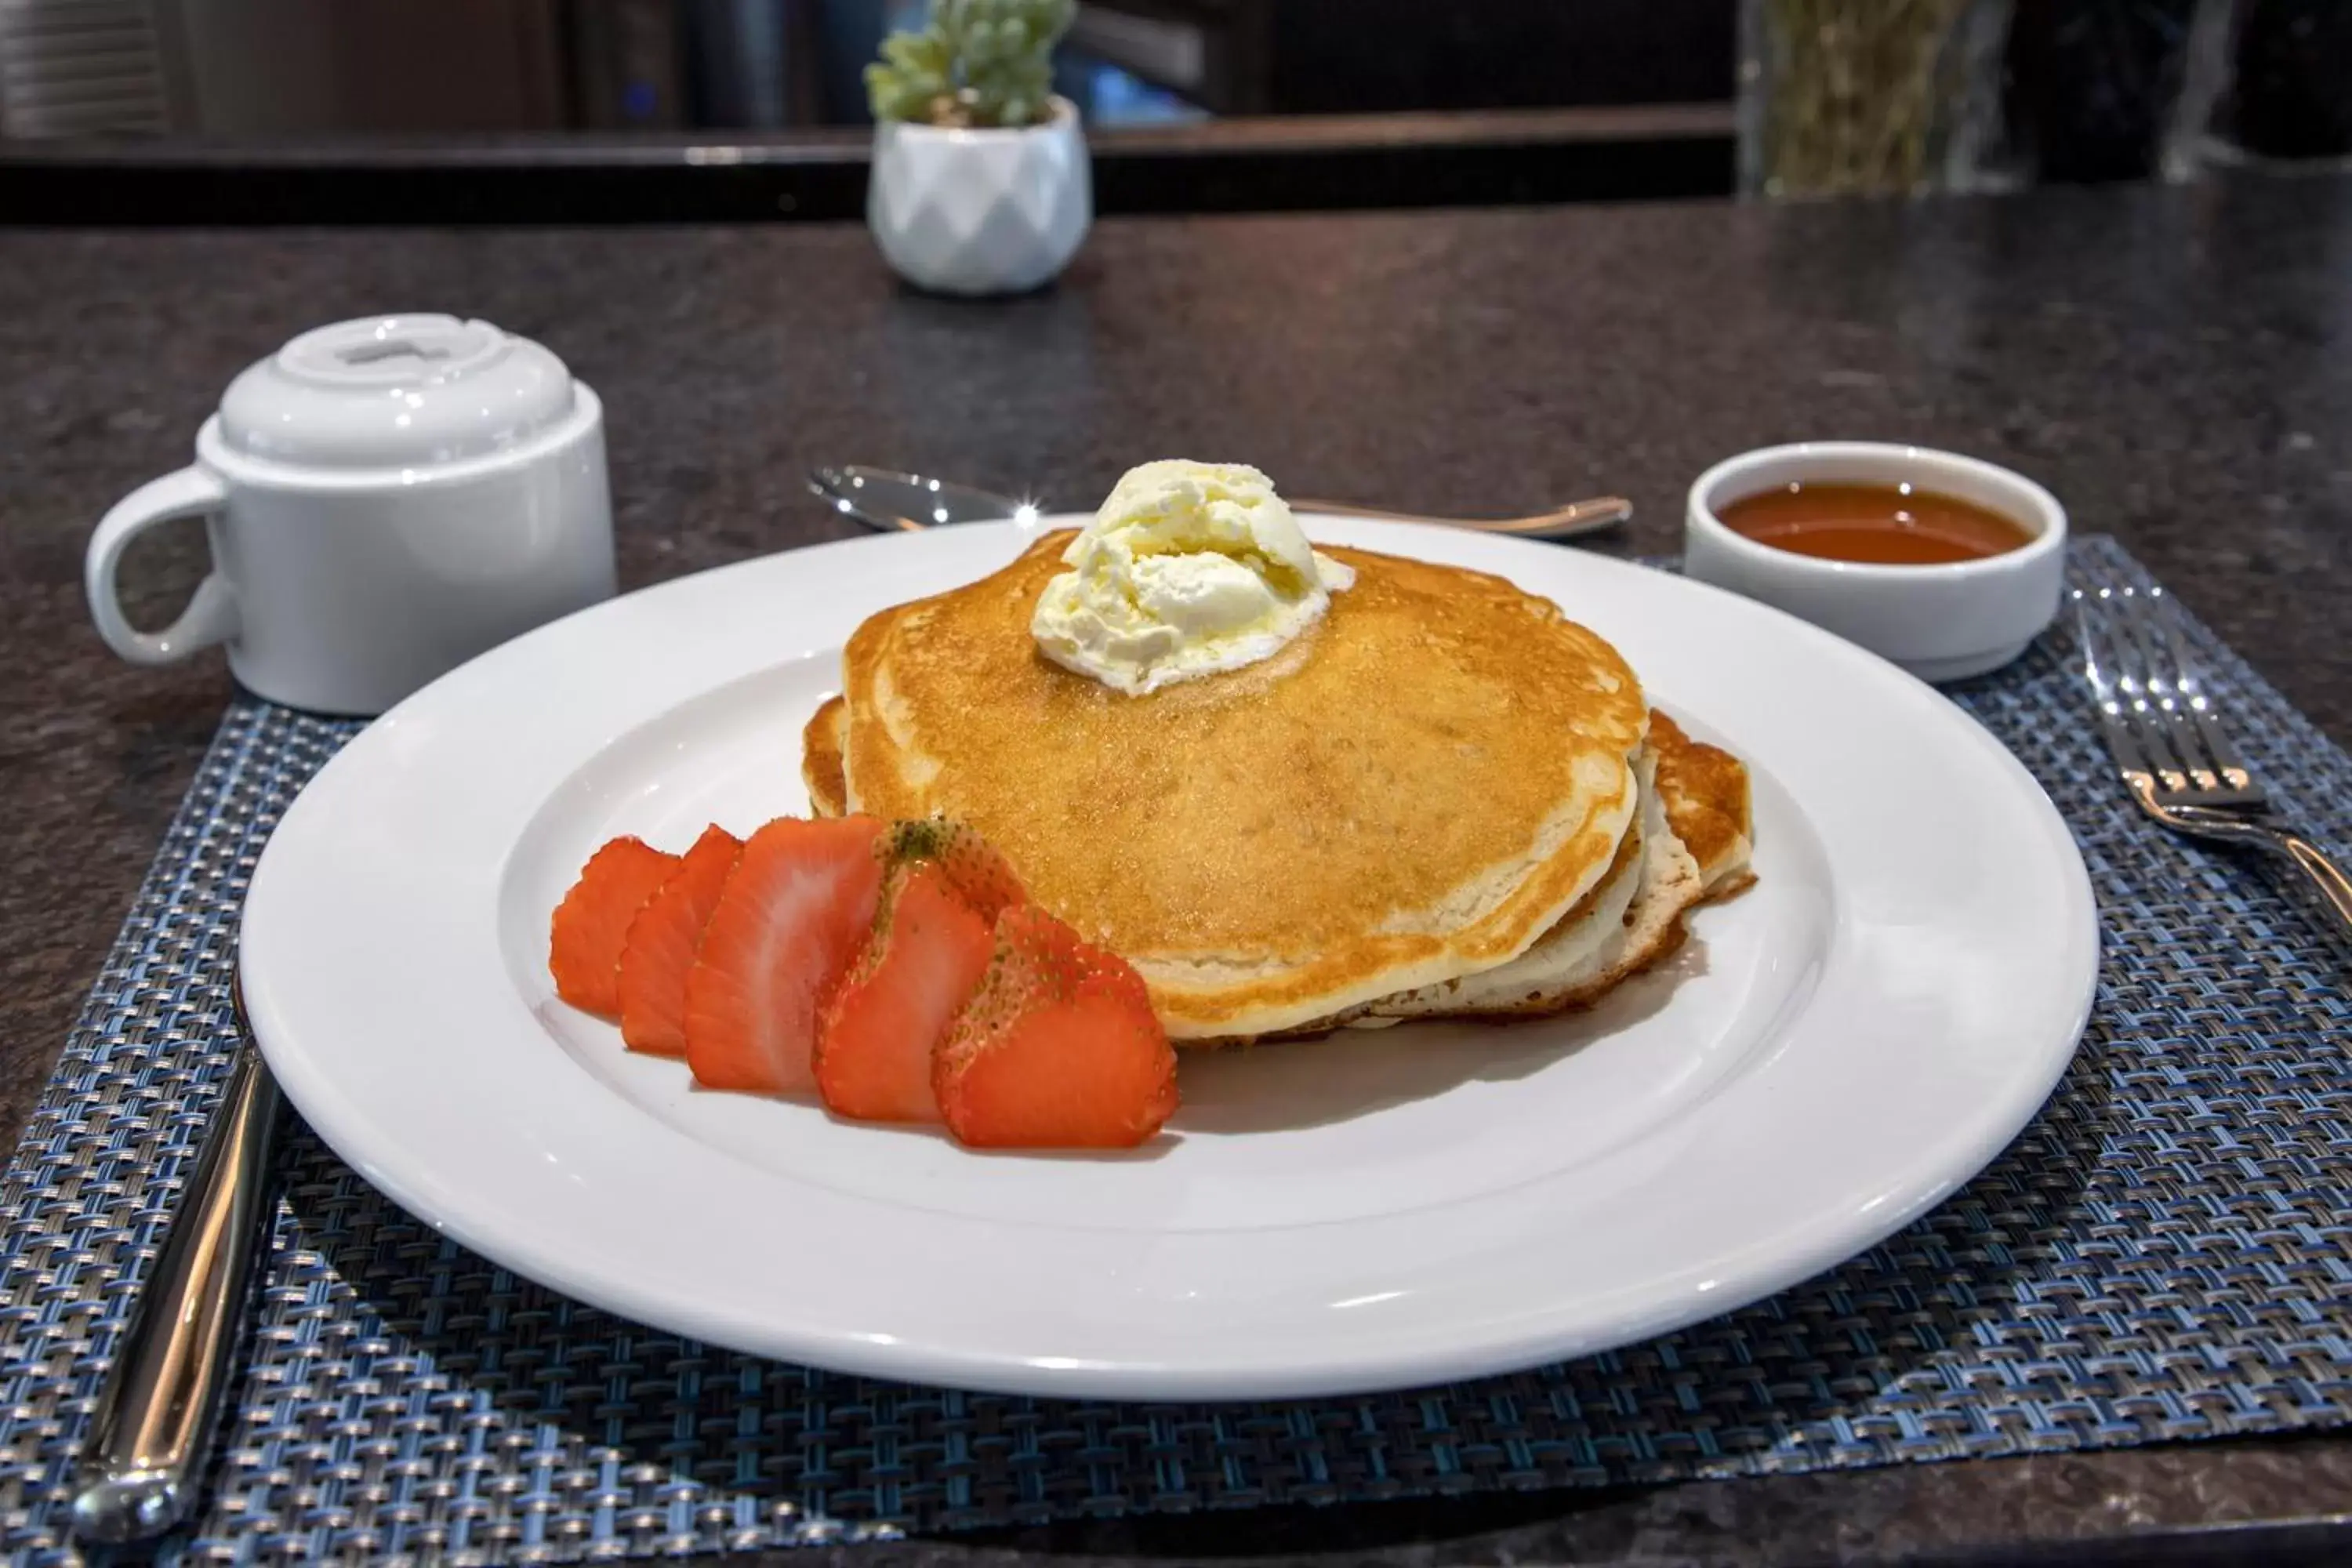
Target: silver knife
[[155, 1412]]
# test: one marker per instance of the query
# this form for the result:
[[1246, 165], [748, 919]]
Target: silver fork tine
[[2166, 714], [2191, 689], [2098, 668], [2138, 707]]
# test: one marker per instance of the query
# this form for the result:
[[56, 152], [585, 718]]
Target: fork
[[2163, 728]]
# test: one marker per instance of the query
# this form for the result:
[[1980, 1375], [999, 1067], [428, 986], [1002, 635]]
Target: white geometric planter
[[981, 212]]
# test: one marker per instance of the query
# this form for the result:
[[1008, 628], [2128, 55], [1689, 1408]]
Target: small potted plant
[[980, 184]]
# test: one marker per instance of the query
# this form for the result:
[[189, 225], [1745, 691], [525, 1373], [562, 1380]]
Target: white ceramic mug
[[385, 499]]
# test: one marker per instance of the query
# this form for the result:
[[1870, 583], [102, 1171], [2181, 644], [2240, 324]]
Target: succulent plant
[[977, 63]]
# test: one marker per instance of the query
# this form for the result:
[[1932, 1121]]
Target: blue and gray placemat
[[2164, 1253]]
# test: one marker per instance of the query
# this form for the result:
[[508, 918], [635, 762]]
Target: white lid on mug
[[394, 392]]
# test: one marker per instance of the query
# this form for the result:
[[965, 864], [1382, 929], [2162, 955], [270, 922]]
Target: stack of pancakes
[[1444, 799]]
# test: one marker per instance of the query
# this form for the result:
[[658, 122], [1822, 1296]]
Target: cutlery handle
[[2326, 875], [156, 1409], [1594, 516]]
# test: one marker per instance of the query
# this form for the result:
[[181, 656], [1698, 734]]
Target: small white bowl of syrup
[[1946, 565]]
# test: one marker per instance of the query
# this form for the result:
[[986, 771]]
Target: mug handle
[[211, 615]]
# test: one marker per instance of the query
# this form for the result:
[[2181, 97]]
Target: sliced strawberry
[[943, 886], [1058, 1049], [977, 874], [591, 923], [928, 951], [789, 921], [660, 948]]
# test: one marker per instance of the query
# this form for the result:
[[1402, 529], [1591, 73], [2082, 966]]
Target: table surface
[[2175, 364]]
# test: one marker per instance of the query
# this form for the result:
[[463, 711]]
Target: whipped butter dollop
[[1189, 569]]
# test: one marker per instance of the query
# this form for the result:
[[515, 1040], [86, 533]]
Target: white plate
[[1837, 1050]]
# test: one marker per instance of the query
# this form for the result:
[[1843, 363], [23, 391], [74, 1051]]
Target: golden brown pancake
[[821, 745], [1707, 798], [1418, 787], [1628, 921], [1631, 920]]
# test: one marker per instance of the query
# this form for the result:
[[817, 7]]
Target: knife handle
[[1573, 520], [156, 1409], [2326, 875]]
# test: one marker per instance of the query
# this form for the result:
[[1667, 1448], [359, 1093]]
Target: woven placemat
[[2164, 1253]]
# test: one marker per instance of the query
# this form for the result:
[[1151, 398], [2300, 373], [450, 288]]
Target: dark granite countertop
[[2176, 364]]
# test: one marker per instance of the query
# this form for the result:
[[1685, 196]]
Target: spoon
[[881, 499]]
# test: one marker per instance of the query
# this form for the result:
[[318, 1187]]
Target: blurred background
[[1778, 96], [313, 67]]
